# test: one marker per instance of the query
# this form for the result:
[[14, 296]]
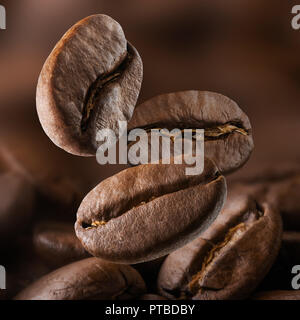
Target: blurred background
[[246, 50]]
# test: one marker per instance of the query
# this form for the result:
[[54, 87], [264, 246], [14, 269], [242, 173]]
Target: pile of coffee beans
[[149, 232]]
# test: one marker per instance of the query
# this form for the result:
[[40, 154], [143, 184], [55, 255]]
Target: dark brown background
[[246, 50]]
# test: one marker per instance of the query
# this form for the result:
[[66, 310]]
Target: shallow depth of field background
[[246, 50]]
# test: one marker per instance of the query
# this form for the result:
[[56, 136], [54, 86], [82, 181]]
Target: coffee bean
[[278, 295], [23, 265], [91, 80], [228, 134], [145, 212], [284, 195], [291, 245], [279, 186], [16, 205], [229, 259], [88, 279], [57, 244]]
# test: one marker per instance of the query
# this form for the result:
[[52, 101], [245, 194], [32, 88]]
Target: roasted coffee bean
[[268, 173], [228, 134], [151, 296], [257, 191], [16, 205], [291, 246], [279, 186], [87, 279], [23, 266], [17, 198], [284, 195], [229, 259], [91, 80], [278, 295], [145, 212], [57, 244]]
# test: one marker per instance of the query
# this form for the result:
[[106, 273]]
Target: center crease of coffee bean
[[194, 285], [212, 133], [96, 88], [99, 223]]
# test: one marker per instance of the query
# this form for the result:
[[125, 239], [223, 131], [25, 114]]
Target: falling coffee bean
[[88, 279], [229, 259], [227, 130], [91, 79], [145, 212]]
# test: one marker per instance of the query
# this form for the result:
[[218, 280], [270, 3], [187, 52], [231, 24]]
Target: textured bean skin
[[145, 212], [87, 279], [201, 110], [94, 48], [229, 259]]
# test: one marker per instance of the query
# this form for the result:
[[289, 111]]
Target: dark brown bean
[[291, 246], [88, 279], [23, 266], [91, 80], [145, 212], [229, 259], [16, 205], [228, 134], [284, 195], [57, 244]]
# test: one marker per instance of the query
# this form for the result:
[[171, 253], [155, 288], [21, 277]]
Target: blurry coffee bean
[[57, 244], [57, 193], [151, 296], [23, 266], [228, 134], [145, 212], [285, 196], [91, 80], [59, 197], [291, 245], [16, 204], [278, 185], [255, 190], [278, 295], [230, 258], [269, 172], [88, 279]]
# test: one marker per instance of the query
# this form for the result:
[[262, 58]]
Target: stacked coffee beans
[[151, 231]]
